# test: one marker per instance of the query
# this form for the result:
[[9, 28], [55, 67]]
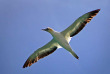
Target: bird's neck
[[53, 33]]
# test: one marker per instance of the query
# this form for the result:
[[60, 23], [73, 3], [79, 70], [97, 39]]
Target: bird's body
[[61, 39], [58, 37]]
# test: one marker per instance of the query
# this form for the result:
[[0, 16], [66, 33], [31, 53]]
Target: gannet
[[61, 39]]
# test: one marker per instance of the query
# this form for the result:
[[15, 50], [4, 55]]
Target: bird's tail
[[74, 54]]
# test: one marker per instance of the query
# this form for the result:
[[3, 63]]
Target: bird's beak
[[44, 29]]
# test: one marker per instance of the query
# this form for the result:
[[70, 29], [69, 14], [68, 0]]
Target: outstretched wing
[[41, 53], [79, 24]]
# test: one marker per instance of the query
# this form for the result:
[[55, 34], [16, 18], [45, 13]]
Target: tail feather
[[74, 54]]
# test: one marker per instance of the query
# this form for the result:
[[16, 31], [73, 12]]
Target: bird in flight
[[61, 39]]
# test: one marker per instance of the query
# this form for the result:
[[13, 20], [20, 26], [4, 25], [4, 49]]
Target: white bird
[[61, 39]]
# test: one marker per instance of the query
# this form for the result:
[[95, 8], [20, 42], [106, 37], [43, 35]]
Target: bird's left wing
[[41, 53], [79, 24]]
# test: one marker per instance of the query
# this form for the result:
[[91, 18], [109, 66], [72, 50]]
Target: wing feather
[[41, 53], [79, 24]]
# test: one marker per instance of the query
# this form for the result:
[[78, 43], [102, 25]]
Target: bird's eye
[[47, 29]]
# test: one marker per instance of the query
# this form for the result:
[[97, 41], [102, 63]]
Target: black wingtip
[[98, 9], [95, 11]]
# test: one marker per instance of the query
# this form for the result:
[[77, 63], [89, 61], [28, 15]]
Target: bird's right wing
[[79, 24], [42, 52]]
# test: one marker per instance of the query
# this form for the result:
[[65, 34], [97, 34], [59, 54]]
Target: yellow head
[[48, 29]]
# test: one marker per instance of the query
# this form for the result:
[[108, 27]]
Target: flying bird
[[61, 39]]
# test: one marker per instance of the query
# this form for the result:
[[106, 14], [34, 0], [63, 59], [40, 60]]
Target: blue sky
[[21, 22]]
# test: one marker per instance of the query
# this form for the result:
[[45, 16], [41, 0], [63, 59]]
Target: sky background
[[21, 22]]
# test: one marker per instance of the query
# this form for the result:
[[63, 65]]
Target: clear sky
[[21, 22]]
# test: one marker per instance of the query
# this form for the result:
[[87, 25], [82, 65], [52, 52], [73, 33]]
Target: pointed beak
[[44, 29]]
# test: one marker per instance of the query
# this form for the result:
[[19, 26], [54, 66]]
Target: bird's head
[[48, 29]]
